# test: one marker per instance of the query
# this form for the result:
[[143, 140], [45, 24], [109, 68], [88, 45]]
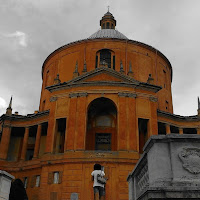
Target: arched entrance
[[101, 125]]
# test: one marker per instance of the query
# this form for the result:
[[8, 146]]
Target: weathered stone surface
[[168, 169], [74, 196], [5, 183]]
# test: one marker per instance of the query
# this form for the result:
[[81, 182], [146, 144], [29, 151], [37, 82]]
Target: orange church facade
[[101, 99]]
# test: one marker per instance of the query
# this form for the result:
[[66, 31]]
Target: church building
[[101, 99]]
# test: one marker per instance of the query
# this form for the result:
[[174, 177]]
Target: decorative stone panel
[[124, 94]]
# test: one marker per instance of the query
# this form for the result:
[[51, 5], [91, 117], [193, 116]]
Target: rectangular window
[[114, 62], [161, 128], [56, 177], [25, 182], [167, 105], [96, 65], [37, 184]]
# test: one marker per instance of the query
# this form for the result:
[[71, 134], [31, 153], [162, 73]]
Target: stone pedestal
[[5, 183], [168, 169]]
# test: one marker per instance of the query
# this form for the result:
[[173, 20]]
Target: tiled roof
[[108, 33]]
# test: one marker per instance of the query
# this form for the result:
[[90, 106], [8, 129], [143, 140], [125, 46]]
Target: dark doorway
[[101, 125]]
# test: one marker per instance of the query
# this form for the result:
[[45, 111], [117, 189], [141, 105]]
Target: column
[[180, 131], [80, 133], [5, 140], [37, 141], [25, 142], [122, 142], [167, 126], [71, 124], [198, 131]]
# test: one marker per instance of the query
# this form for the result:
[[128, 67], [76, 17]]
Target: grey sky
[[31, 30]]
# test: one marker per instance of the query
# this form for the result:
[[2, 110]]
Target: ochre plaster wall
[[143, 60]]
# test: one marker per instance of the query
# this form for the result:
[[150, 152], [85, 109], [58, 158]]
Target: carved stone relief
[[52, 99], [153, 99], [123, 94], [82, 94], [190, 158]]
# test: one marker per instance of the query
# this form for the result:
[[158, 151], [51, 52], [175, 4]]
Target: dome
[[108, 33]]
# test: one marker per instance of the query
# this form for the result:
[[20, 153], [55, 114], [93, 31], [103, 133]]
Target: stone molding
[[74, 95], [27, 117], [52, 99], [153, 99], [178, 117], [124, 94]]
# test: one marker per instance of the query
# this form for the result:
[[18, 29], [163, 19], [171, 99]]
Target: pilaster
[[71, 124], [5, 140], [81, 122], [122, 133], [132, 141]]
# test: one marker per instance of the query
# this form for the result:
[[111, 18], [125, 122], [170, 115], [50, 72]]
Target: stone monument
[[168, 169], [5, 183]]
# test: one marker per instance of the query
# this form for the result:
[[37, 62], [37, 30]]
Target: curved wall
[[144, 61]]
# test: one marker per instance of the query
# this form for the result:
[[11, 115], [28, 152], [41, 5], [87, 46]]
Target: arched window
[[103, 25], [106, 58]]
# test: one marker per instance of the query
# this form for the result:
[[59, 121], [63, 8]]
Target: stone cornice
[[178, 117], [22, 117]]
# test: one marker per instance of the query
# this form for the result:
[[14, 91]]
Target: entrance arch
[[101, 125]]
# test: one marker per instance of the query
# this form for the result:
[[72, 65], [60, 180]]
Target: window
[[25, 182], [105, 58], [103, 25], [56, 177], [165, 78], [161, 128], [96, 63], [167, 105], [37, 183], [114, 62]]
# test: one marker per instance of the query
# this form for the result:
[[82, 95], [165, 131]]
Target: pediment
[[103, 77], [103, 74]]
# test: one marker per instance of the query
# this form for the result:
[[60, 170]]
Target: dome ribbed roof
[[108, 33]]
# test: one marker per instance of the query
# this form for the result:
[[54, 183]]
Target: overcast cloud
[[31, 30]]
